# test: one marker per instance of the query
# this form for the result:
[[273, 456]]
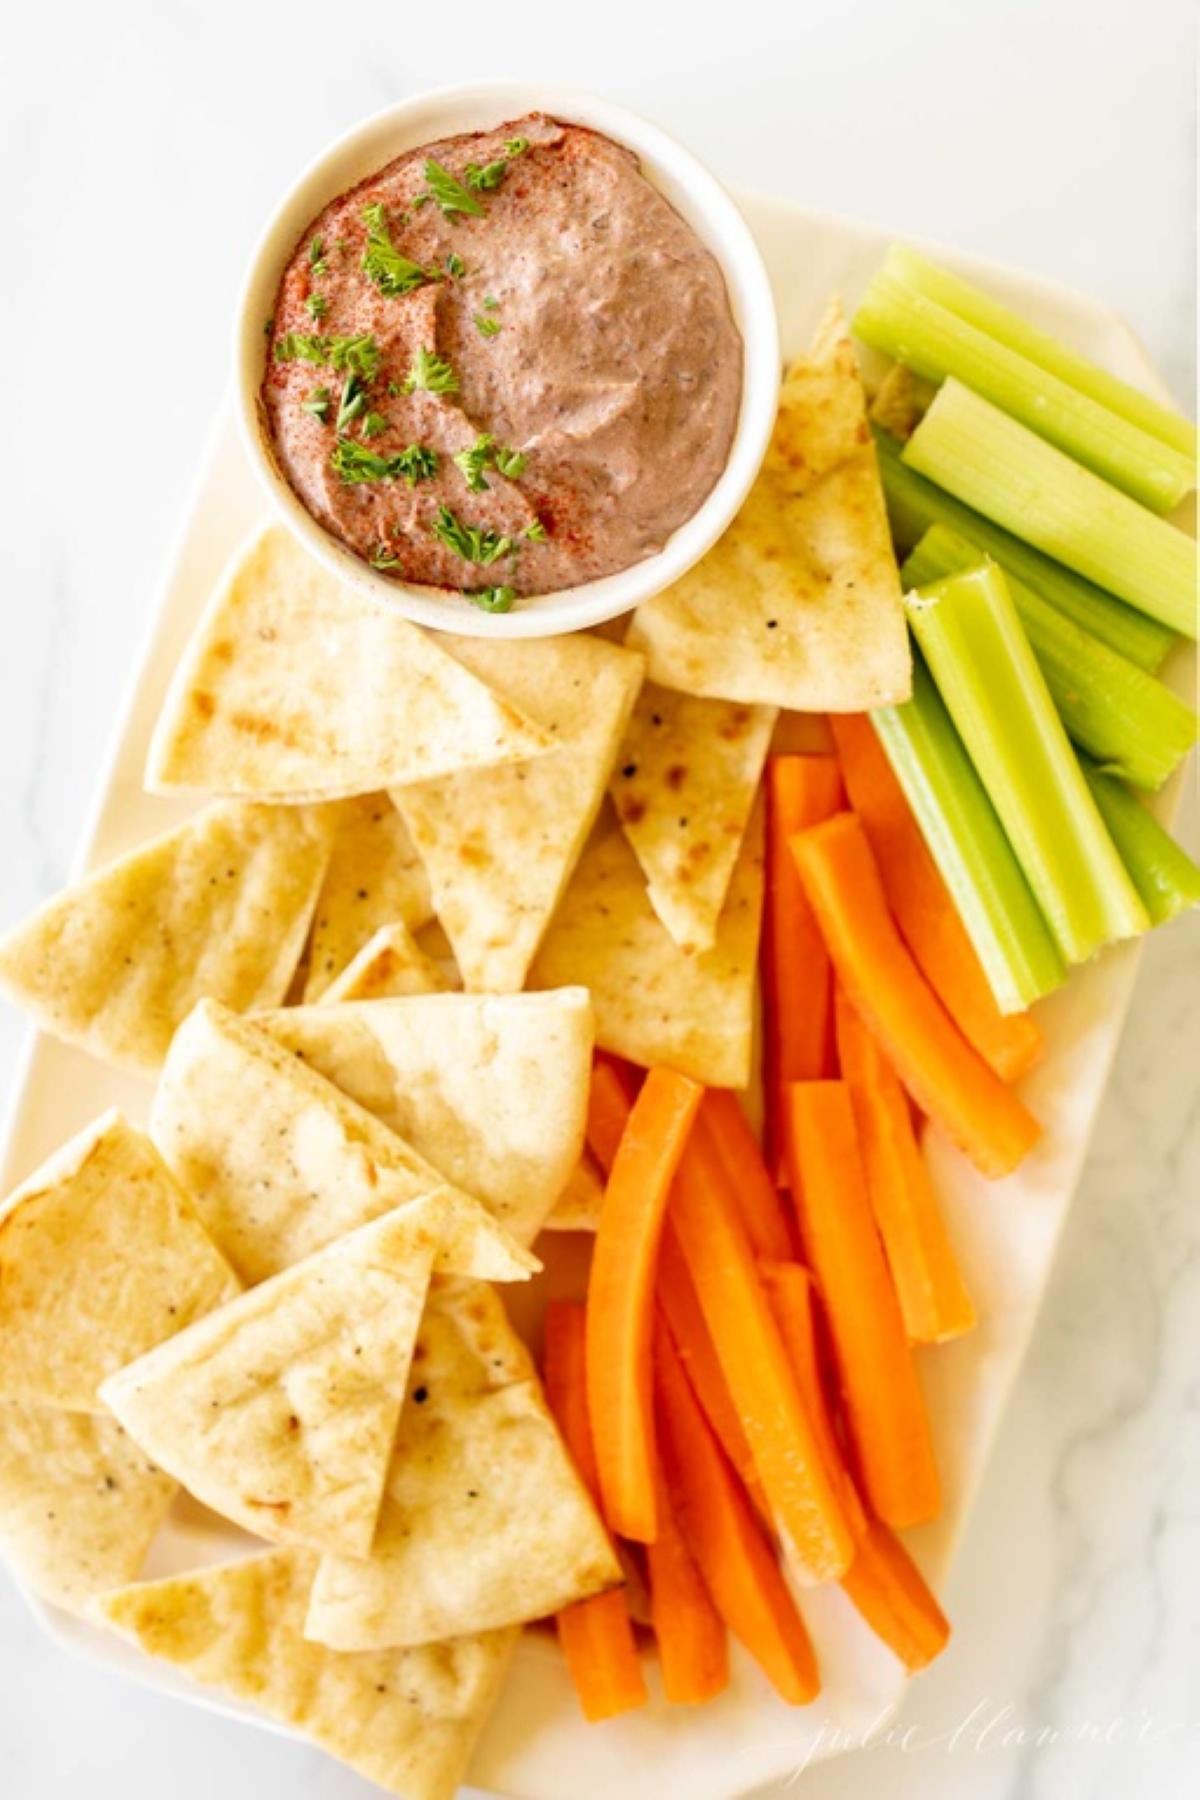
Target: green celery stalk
[[1008, 328], [1161, 870], [914, 504], [988, 676], [1130, 722], [1011, 475], [967, 842], [933, 342]]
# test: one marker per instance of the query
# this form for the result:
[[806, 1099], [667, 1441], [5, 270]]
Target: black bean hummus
[[504, 364]]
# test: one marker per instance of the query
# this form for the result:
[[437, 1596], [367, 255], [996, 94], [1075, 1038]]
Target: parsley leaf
[[455, 266], [491, 599], [317, 404], [474, 461], [536, 533], [482, 177], [360, 354], [317, 305], [511, 464], [382, 263], [373, 425], [516, 146], [385, 558], [450, 194], [485, 325], [353, 402], [417, 463], [355, 463], [316, 257], [298, 346], [431, 372], [473, 543]]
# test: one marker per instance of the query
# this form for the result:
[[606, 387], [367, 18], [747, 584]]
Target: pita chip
[[80, 1503], [654, 1002], [491, 1089], [798, 604], [406, 1719], [101, 1258], [499, 845], [581, 1202], [390, 965], [485, 1521], [279, 1411], [221, 906], [375, 878], [685, 781], [279, 1162], [295, 687]]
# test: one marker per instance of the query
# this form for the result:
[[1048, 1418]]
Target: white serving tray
[[537, 1746]]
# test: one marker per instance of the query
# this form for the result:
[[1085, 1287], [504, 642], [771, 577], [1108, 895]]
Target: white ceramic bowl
[[695, 194]]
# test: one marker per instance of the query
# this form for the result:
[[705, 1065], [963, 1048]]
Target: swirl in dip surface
[[570, 342]]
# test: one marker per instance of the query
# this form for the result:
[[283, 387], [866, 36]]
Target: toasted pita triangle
[[407, 1719], [499, 845], [375, 878], [798, 604], [219, 906], [654, 1002], [101, 1257], [491, 1089], [80, 1503], [389, 966], [278, 1161], [279, 1411], [685, 781], [485, 1521], [294, 687]]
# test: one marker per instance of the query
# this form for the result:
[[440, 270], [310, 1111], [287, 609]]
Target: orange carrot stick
[[680, 1306], [883, 1581], [946, 1077], [924, 909], [596, 1634], [621, 1298], [797, 1022], [610, 1100], [693, 1648], [934, 1302], [802, 1500], [763, 1211], [737, 1563], [885, 1409]]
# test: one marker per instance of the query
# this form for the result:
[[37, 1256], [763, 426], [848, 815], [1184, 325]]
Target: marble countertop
[[142, 146]]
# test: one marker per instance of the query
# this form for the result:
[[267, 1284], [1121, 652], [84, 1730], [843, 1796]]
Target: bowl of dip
[[507, 359]]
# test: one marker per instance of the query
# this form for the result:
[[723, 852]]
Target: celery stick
[[930, 340], [914, 504], [1130, 722], [1009, 474], [978, 309], [1161, 870], [989, 678], [967, 842]]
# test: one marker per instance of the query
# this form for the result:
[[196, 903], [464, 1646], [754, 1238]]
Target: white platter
[[537, 1747]]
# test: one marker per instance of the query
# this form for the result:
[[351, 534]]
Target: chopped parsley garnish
[[450, 194], [455, 266], [360, 354], [485, 325], [316, 257], [474, 461], [385, 558], [355, 463], [353, 402], [373, 426], [491, 599], [481, 177], [511, 463], [417, 463], [382, 263], [490, 303], [317, 305], [432, 373], [473, 543], [317, 404], [394, 388], [299, 346], [516, 146], [536, 533]]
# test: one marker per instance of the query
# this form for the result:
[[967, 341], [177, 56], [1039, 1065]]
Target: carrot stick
[[610, 1100], [763, 1211], [737, 1563], [883, 1581], [680, 1306], [925, 912], [946, 1077], [934, 1302], [596, 1634], [797, 1026], [693, 1648], [885, 1409], [803, 1503], [621, 1298]]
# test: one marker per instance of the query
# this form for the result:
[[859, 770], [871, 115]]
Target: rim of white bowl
[[696, 195]]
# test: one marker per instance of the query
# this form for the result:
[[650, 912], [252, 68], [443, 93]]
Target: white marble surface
[[142, 144]]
